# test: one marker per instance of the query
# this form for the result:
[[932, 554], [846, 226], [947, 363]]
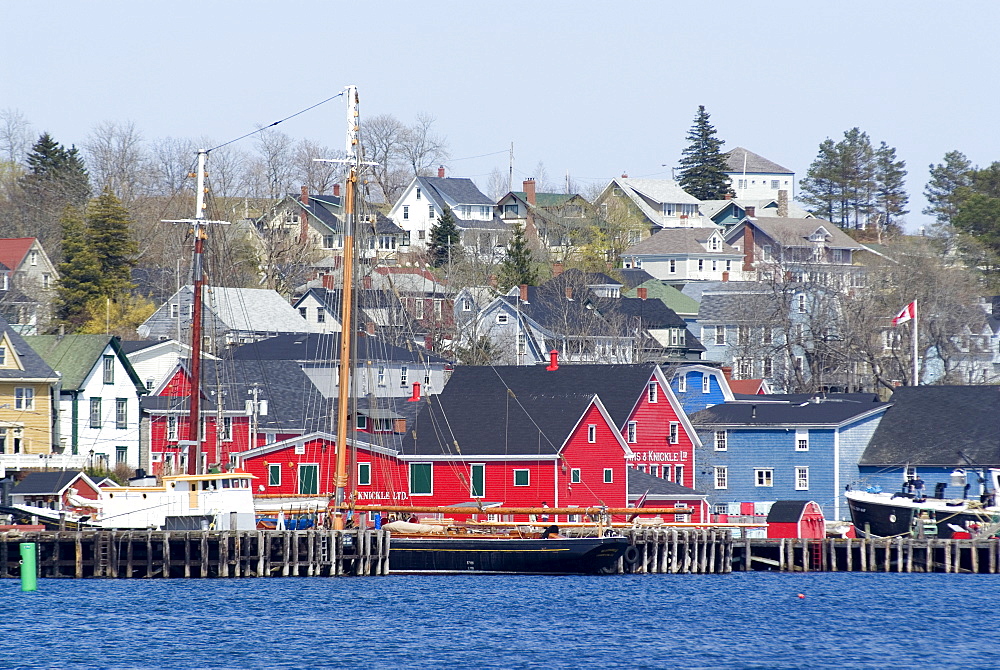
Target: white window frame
[[675, 433], [763, 477], [706, 382], [171, 431], [801, 478], [527, 474], [24, 398], [801, 440], [472, 477], [364, 474], [721, 440], [679, 474], [502, 319], [721, 477], [631, 432], [272, 470], [575, 476], [653, 392], [609, 476], [682, 383], [591, 433]]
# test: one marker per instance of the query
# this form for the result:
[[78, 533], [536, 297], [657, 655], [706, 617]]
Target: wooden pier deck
[[200, 554], [708, 551]]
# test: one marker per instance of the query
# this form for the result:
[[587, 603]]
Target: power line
[[271, 125]]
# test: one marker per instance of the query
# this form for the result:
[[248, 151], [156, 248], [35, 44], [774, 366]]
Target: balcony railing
[[45, 461]]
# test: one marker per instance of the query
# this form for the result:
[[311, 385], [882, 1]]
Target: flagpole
[[916, 334]]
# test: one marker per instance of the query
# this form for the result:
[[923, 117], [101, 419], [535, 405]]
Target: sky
[[593, 89]]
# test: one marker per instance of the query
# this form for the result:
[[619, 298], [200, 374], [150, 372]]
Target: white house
[[423, 201], [753, 177], [662, 202], [154, 360], [98, 399], [686, 254]]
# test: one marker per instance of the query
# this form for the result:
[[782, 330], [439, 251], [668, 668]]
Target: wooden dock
[[200, 554], [716, 551]]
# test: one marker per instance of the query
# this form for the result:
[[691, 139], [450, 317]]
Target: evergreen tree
[[978, 214], [946, 178], [703, 167], [890, 188], [517, 267], [819, 189], [108, 228], [57, 171], [444, 240], [80, 277]]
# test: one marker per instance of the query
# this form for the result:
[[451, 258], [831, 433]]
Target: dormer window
[[820, 235], [714, 244], [669, 209]]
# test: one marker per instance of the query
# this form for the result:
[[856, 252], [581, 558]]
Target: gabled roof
[[671, 297], [790, 232], [381, 307], [323, 348], [48, 483], [76, 356], [633, 277], [735, 302], [752, 387], [640, 483], [460, 190], [932, 425], [34, 367], [687, 241], [787, 511], [659, 190], [546, 200], [253, 310], [14, 249], [766, 207], [828, 413], [755, 163]]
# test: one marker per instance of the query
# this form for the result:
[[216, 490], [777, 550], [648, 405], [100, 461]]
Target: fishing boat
[[906, 512], [445, 547]]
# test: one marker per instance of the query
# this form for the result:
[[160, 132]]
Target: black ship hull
[[891, 517], [584, 555]]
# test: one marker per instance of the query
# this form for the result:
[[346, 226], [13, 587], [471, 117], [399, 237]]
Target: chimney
[[428, 343], [727, 372], [304, 198], [728, 196], [557, 268], [441, 171], [748, 249], [414, 397], [624, 175], [529, 190], [641, 293], [370, 328], [569, 292], [553, 361], [783, 203], [328, 283], [399, 425], [524, 293], [725, 276], [304, 220], [751, 211], [336, 190], [366, 282]]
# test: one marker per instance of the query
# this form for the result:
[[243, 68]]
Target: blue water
[[751, 620]]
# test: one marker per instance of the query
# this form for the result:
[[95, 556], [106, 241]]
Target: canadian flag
[[909, 312]]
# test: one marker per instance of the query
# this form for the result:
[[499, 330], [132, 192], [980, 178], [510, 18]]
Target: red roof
[[747, 386], [14, 249]]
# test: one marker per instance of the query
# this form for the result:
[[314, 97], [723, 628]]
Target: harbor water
[[741, 620]]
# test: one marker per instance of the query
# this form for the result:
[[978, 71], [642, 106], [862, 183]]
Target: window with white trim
[[477, 480], [672, 267], [652, 392], [171, 428], [24, 397], [591, 433], [675, 429], [706, 383], [574, 476], [502, 319], [801, 440], [364, 474], [801, 478], [609, 476], [720, 334], [274, 474], [631, 432], [682, 383], [721, 440], [721, 477], [679, 476], [522, 477], [421, 479], [763, 477]]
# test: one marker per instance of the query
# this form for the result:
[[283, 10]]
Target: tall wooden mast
[[198, 228], [347, 297]]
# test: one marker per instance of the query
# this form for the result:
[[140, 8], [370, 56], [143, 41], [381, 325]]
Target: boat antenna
[[199, 230]]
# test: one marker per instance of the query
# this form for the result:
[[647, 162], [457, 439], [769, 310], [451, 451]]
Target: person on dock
[[545, 515], [918, 487]]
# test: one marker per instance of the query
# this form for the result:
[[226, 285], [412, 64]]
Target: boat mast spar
[[346, 298]]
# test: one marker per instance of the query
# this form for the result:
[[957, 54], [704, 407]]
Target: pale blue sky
[[593, 88]]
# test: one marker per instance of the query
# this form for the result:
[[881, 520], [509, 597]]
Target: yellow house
[[27, 387]]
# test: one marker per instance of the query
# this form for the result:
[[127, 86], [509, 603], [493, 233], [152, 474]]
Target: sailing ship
[[877, 513], [447, 547]]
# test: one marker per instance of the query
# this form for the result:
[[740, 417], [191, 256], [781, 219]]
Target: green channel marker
[[29, 566]]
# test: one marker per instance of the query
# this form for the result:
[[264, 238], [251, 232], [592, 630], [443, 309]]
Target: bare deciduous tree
[[117, 157], [15, 136], [422, 147]]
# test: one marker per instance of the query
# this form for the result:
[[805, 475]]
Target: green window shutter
[[421, 481], [308, 479], [478, 479], [522, 477]]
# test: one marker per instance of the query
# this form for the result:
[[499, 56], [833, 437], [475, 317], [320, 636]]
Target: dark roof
[[40, 483], [764, 413], [132, 346], [650, 313], [294, 403], [799, 398], [755, 163], [461, 190], [932, 425], [787, 511], [632, 277], [33, 365], [325, 347], [640, 482]]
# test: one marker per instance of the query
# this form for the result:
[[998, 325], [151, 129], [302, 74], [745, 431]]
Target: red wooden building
[[796, 518]]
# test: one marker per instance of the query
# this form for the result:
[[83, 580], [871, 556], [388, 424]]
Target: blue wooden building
[[786, 447], [698, 387]]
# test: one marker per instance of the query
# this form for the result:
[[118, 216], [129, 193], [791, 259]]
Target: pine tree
[[80, 277], [703, 167], [517, 267], [108, 227], [820, 190], [444, 240], [890, 188], [945, 179], [57, 171]]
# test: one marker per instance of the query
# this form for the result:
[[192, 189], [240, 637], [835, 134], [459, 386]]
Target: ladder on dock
[[102, 557]]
